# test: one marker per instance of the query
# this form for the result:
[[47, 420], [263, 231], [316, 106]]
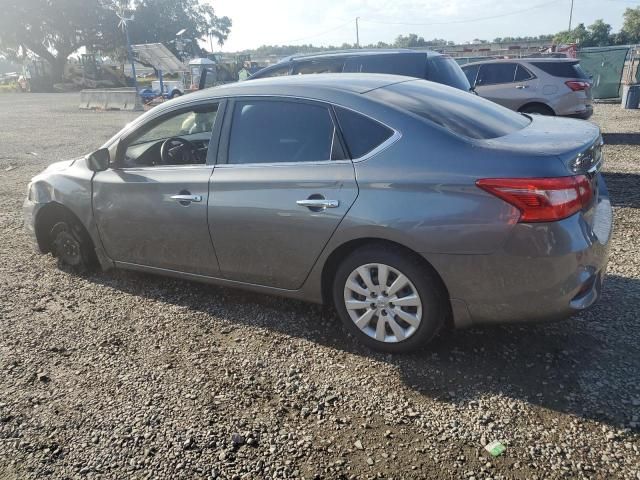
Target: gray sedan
[[406, 204]]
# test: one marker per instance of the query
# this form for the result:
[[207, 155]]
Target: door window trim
[[223, 150], [225, 134], [532, 76], [157, 119]]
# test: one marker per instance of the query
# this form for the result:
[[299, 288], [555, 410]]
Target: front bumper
[[29, 212], [545, 271]]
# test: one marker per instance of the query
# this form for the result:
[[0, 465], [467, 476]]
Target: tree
[[600, 33], [54, 30], [158, 21], [631, 25], [579, 35], [410, 41]]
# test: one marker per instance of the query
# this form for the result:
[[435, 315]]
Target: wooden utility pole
[[571, 15]]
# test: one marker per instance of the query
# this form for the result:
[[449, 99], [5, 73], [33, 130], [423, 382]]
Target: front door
[[151, 206], [282, 185]]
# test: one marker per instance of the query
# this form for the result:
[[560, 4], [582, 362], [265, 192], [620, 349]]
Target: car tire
[[403, 327], [71, 245], [538, 109], [175, 94]]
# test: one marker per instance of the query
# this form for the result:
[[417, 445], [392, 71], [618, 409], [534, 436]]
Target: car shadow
[[621, 138], [584, 366], [623, 189]]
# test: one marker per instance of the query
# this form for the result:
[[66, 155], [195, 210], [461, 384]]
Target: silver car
[[547, 86], [407, 204]]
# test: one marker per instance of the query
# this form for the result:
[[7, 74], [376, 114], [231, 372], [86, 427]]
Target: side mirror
[[99, 160], [207, 78]]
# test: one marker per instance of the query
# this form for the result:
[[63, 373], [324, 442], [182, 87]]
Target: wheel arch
[[345, 249], [537, 104], [46, 218]]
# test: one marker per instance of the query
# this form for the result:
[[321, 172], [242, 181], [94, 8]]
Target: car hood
[[62, 165], [550, 136]]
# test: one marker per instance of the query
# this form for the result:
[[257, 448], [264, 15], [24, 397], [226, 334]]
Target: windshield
[[445, 70], [460, 113]]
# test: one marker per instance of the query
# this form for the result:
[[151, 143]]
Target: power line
[[317, 34], [469, 20]]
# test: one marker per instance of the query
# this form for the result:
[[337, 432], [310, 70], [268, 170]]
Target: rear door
[[507, 84], [282, 185]]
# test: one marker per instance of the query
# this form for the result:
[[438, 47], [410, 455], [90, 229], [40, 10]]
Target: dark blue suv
[[428, 65]]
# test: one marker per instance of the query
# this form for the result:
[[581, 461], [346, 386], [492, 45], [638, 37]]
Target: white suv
[[548, 86]]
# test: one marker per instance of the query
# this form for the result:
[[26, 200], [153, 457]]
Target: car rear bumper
[[583, 115], [545, 271]]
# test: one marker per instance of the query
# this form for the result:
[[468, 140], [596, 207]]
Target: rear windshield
[[562, 69], [445, 70], [461, 113]]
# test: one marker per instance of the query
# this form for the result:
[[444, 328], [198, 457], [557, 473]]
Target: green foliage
[[600, 33], [631, 25], [414, 41], [54, 29], [597, 34], [158, 21]]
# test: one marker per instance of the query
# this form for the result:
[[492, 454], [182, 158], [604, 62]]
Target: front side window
[[274, 72], [179, 138], [495, 73], [280, 131]]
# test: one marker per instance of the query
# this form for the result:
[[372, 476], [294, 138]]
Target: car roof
[[525, 60], [301, 85], [355, 52]]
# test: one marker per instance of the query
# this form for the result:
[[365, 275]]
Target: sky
[[332, 22]]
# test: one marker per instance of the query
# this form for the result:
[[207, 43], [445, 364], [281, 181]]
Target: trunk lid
[[564, 138], [576, 143]]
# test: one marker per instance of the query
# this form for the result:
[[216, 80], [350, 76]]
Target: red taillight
[[577, 85], [541, 199]]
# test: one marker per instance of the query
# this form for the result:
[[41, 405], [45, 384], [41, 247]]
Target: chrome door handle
[[186, 198], [521, 87], [318, 203]]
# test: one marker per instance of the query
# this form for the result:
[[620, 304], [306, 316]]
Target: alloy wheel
[[382, 302]]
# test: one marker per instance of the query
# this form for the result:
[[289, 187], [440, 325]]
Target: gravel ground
[[125, 375]]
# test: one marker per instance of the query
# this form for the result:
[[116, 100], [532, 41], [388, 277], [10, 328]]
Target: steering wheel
[[177, 151]]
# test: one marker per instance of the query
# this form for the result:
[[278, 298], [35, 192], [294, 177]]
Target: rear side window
[[494, 73], [409, 64], [445, 70], [522, 74], [264, 131], [463, 114], [361, 133], [562, 69]]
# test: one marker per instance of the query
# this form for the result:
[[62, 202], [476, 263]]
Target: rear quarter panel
[[421, 192]]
